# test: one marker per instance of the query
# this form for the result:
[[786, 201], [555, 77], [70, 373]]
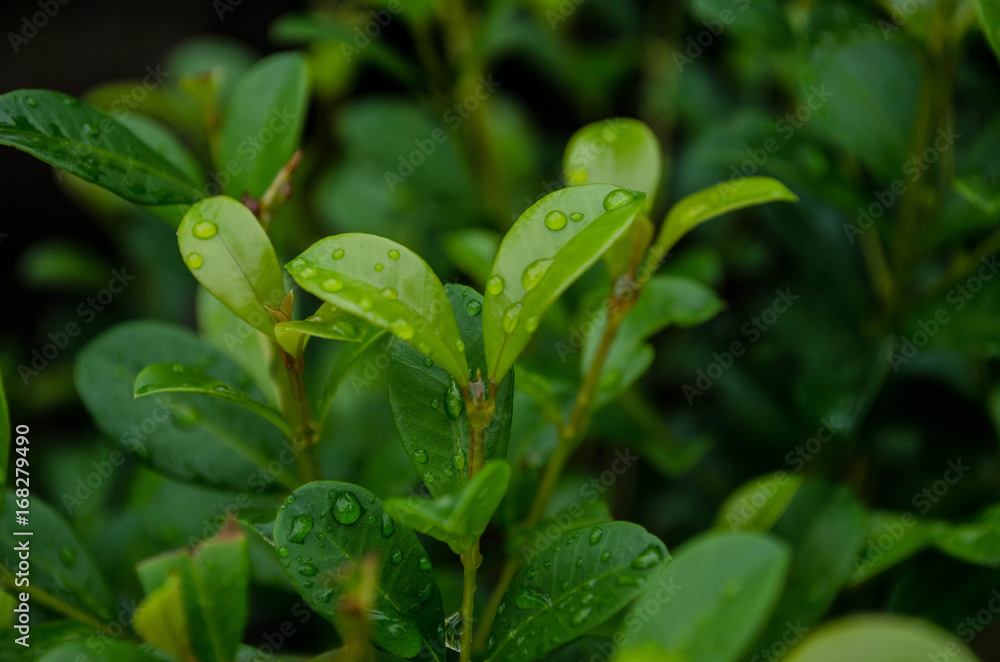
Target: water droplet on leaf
[[494, 285], [346, 508], [194, 261], [617, 199], [301, 526], [205, 229]]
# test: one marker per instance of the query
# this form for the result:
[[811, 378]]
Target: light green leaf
[[758, 504], [715, 583], [389, 286], [619, 151], [160, 619], [78, 138], [177, 378], [457, 519], [880, 638], [60, 565], [428, 407], [722, 198], [328, 322], [229, 253], [543, 254], [214, 579], [183, 435], [263, 122], [989, 16], [578, 583], [328, 524]]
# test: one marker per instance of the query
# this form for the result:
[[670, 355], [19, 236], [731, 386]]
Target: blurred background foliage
[[843, 102]]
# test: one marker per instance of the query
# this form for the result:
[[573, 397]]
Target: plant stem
[[470, 562], [307, 459]]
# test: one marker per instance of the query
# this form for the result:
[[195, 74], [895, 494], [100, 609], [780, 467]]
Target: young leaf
[[880, 638], [229, 253], [262, 123], [327, 524], [716, 583], [581, 581], [457, 519], [5, 438], [546, 250], [327, 322], [161, 621], [758, 504], [177, 378], [708, 203], [78, 138], [619, 151], [183, 435], [214, 579], [428, 407], [60, 566], [387, 285]]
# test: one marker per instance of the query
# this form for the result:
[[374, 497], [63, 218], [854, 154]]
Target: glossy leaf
[[263, 122], [542, 255], [428, 407], [160, 619], [989, 16], [328, 322], [78, 138], [164, 143], [758, 504], [581, 581], [5, 438], [387, 285], [976, 542], [457, 519], [722, 198], [183, 435], [227, 250], [327, 524], [60, 566], [213, 578], [177, 378], [880, 638], [619, 151], [716, 583]]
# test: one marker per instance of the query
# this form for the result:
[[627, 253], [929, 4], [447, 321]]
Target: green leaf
[[387, 285], [758, 504], [720, 582], [880, 638], [581, 581], [975, 542], [45, 636], [60, 565], [428, 407], [989, 16], [327, 524], [160, 619], [722, 198], [183, 435], [263, 122], [619, 151], [535, 263], [229, 253], [825, 525], [214, 579], [5, 438], [108, 650], [348, 356], [328, 322], [78, 138], [891, 538], [457, 519], [177, 378], [164, 143]]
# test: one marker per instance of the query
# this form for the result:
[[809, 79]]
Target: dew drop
[[283, 552], [531, 324], [194, 260], [301, 526], [473, 308], [397, 557], [205, 229], [453, 401], [332, 285], [388, 527], [460, 345], [495, 285], [579, 563], [529, 598], [346, 508], [650, 557], [338, 254], [307, 570], [510, 318], [429, 478], [379, 266], [290, 498], [458, 461], [389, 293], [402, 329], [428, 363], [629, 580], [617, 199], [576, 217], [435, 403], [596, 535], [605, 556], [424, 563], [453, 632], [580, 616], [308, 272], [419, 456], [393, 254], [555, 220], [534, 272], [31, 102], [365, 303]]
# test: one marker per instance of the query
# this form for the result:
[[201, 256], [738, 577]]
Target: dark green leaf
[[262, 123], [387, 285], [183, 435], [457, 519], [229, 253], [581, 581], [891, 538], [327, 524], [60, 565], [429, 409], [716, 583], [108, 651], [78, 138], [45, 636], [989, 15], [976, 542], [327, 322], [347, 358], [542, 255], [880, 638], [177, 378]]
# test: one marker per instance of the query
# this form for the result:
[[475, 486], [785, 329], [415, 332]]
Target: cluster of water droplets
[[203, 229]]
